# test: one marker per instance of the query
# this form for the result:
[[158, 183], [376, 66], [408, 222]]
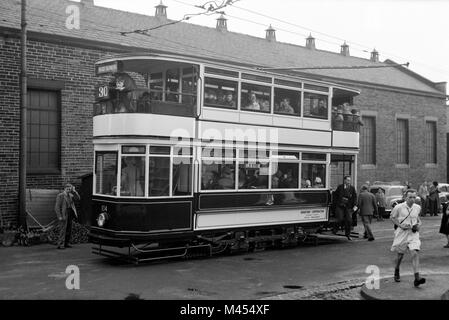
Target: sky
[[414, 31]]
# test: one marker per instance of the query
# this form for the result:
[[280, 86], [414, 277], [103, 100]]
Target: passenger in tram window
[[285, 106], [227, 179], [143, 104], [338, 119], [288, 181], [253, 103], [229, 99], [132, 177], [318, 183], [265, 105], [319, 109], [275, 180], [308, 184], [210, 96], [210, 180], [356, 119]]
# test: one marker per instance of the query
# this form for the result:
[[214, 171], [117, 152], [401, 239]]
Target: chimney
[[222, 25], [310, 42], [344, 50], [270, 34], [374, 56], [161, 11]]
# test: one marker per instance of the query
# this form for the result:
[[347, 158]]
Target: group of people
[[345, 118], [226, 99], [430, 200], [406, 218]]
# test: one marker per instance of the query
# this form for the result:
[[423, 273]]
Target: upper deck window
[[169, 90], [287, 102], [220, 93], [255, 98], [315, 105]]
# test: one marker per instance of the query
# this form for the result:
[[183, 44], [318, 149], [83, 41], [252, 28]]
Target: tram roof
[[103, 27], [138, 62]]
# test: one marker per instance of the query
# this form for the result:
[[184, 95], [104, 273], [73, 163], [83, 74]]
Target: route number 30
[[103, 92]]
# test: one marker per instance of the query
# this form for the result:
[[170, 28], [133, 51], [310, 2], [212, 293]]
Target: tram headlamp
[[101, 220]]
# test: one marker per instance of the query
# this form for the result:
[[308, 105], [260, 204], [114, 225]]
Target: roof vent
[[270, 34], [222, 24], [310, 42], [161, 11], [374, 56], [344, 50]]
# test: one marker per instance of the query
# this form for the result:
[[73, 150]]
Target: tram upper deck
[[196, 99]]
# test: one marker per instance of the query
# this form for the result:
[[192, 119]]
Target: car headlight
[[101, 220]]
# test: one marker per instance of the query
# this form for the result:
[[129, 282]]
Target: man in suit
[[66, 212], [368, 206], [344, 201]]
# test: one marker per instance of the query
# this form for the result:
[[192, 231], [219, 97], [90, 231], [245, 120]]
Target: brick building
[[404, 136]]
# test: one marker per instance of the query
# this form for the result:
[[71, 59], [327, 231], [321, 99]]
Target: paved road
[[38, 272]]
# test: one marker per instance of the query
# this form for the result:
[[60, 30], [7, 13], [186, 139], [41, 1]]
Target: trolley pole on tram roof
[[23, 118]]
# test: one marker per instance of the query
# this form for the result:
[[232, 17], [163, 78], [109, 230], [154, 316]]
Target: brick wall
[[46, 61], [388, 105]]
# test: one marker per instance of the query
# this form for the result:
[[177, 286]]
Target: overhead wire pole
[[23, 118]]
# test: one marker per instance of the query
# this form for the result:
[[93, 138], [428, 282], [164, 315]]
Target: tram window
[[217, 175], [132, 176], [156, 86], [260, 154], [313, 175], [133, 149], [182, 176], [160, 150], [159, 176], [286, 175], [218, 152], [315, 105], [182, 151], [255, 98], [189, 86], [106, 173], [285, 155], [313, 156], [220, 93], [172, 85], [253, 175], [287, 102]]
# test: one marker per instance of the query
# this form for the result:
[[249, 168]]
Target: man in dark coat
[[66, 212], [368, 206], [344, 201]]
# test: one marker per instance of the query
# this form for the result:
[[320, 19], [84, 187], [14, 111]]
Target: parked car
[[394, 194]]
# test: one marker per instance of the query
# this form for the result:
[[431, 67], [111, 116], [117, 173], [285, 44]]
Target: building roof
[[106, 25]]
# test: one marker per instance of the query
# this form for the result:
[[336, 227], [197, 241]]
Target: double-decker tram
[[198, 156]]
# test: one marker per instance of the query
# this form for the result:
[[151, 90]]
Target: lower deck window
[[313, 175], [253, 175], [218, 175], [133, 176], [159, 177], [106, 173], [286, 176]]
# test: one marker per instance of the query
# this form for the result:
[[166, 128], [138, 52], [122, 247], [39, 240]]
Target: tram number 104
[[102, 92]]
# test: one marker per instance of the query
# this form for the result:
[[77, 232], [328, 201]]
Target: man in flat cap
[[66, 212]]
